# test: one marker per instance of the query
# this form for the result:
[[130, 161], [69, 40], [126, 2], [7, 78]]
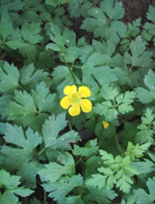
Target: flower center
[[76, 99]]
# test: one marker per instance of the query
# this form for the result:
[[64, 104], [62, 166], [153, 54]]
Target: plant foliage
[[48, 156]]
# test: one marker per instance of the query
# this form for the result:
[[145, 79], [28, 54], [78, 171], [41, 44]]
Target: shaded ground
[[135, 9]]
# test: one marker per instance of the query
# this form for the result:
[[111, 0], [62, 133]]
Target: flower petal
[[68, 90], [84, 91], [86, 105], [74, 110], [105, 124], [65, 102]]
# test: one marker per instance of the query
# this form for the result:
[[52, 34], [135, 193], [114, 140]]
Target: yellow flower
[[105, 124], [74, 100]]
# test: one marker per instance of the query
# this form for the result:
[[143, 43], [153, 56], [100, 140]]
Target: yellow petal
[[86, 105], [74, 110], [105, 124], [65, 102], [68, 90], [84, 91]]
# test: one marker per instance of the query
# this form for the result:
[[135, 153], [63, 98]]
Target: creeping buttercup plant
[[77, 88]]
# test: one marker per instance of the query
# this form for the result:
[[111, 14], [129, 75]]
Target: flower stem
[[118, 146], [69, 124], [45, 195], [70, 70], [41, 151]]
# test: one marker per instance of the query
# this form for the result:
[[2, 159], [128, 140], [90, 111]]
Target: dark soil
[[135, 9]]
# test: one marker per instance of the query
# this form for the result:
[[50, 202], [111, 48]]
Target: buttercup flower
[[75, 100], [105, 124]]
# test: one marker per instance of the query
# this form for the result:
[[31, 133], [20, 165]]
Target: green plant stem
[[118, 146], [3, 56], [78, 67], [130, 69], [70, 70], [41, 151], [45, 196], [69, 124]]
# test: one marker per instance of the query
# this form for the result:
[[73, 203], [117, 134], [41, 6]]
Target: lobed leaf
[[53, 171], [9, 77], [60, 189]]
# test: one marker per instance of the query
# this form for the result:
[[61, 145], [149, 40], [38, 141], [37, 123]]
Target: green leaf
[[53, 46], [23, 109], [53, 171], [124, 102], [102, 26], [30, 76], [44, 101], [144, 95], [88, 150], [142, 196], [100, 196], [121, 75], [8, 197], [63, 77], [35, 201], [28, 172], [52, 127], [146, 131], [151, 14], [96, 180], [76, 8], [4, 100], [9, 77], [113, 10], [130, 200], [139, 57], [6, 27], [29, 52], [118, 172], [149, 81], [71, 54], [67, 38], [11, 6], [55, 35], [2, 128], [106, 109], [30, 142], [72, 199], [22, 192], [45, 61], [20, 151], [11, 187], [92, 164], [106, 48], [151, 186], [150, 26], [133, 29], [54, 4], [144, 167], [136, 151], [96, 23], [14, 44], [8, 181], [30, 32], [60, 189], [93, 68], [114, 103], [124, 182]]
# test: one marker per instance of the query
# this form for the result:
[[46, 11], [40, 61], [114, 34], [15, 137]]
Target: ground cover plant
[[77, 88]]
